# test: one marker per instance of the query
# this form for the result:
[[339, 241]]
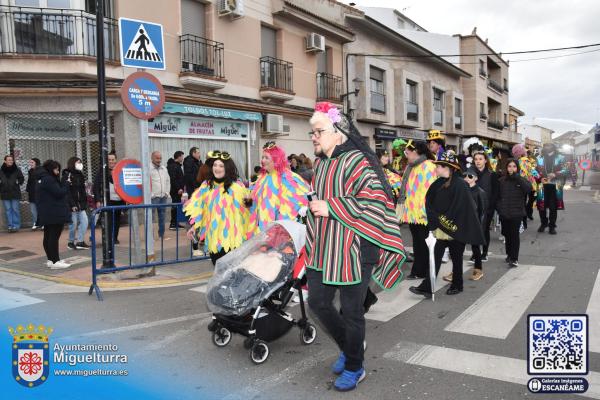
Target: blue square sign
[[141, 44]]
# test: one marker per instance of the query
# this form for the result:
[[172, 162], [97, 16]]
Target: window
[[505, 85], [482, 114], [457, 113], [505, 120], [482, 68], [412, 105], [377, 90], [438, 107]]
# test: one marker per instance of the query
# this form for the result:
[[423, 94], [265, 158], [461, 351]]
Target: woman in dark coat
[[511, 208], [32, 178], [488, 181], [11, 178], [53, 211], [73, 178]]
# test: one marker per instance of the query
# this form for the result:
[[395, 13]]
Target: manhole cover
[[13, 255]]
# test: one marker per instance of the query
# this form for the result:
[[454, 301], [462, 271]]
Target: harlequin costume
[[276, 196], [394, 180], [219, 216]]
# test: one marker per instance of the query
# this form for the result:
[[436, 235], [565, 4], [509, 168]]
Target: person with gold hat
[[452, 216], [436, 142]]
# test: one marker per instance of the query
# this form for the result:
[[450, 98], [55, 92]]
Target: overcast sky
[[562, 89]]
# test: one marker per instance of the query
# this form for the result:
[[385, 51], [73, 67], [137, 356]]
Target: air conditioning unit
[[315, 42], [233, 8], [274, 123]]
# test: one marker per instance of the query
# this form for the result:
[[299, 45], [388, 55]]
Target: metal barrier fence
[[154, 254]]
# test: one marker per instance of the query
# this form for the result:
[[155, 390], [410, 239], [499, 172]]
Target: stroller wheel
[[221, 336], [308, 334], [259, 352]]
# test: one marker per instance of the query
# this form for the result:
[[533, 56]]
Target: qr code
[[558, 344]]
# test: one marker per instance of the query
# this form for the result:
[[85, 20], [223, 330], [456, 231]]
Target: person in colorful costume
[[216, 209], [436, 142], [528, 171], [392, 175], [353, 235], [278, 193], [399, 161], [418, 176], [552, 172]]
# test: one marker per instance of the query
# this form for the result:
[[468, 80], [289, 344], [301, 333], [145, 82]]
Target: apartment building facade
[[238, 73], [486, 94], [400, 97]]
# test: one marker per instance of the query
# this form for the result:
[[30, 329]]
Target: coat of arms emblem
[[30, 354]]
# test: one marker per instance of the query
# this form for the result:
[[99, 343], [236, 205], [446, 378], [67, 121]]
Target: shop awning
[[190, 109]]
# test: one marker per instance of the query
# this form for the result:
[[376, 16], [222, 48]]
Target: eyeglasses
[[316, 133], [223, 155], [269, 145]]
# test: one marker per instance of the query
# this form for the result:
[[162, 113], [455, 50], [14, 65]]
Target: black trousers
[[347, 329], [421, 252], [477, 257], [52, 234], [113, 219], [512, 242], [215, 256], [457, 250], [175, 198], [550, 206], [530, 200], [487, 222]]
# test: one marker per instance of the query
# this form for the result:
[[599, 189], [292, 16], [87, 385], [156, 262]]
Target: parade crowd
[[359, 199]]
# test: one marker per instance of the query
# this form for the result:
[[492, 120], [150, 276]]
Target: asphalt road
[[469, 346]]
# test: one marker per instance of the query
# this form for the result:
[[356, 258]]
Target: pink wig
[[519, 150], [280, 161]]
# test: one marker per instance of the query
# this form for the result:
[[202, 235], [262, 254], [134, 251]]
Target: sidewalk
[[23, 253]]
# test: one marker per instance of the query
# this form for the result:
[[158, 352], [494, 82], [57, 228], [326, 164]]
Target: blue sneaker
[[349, 380], [339, 365]]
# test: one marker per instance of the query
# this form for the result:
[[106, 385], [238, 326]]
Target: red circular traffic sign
[[143, 95], [127, 178], [585, 164]]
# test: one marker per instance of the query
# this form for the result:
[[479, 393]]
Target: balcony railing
[[495, 85], [412, 111], [329, 87], [201, 56], [483, 116], [276, 74], [54, 32], [482, 72], [378, 102], [438, 117], [495, 124]]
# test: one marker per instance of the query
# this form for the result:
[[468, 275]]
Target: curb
[[109, 284]]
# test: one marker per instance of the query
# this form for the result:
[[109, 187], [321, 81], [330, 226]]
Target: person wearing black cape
[[452, 216]]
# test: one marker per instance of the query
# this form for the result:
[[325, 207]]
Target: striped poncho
[[220, 218], [358, 210]]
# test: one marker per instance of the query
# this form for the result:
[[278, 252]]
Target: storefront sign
[[34, 127], [385, 134], [177, 108], [411, 134], [210, 128]]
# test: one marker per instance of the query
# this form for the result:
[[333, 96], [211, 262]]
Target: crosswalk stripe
[[509, 298], [482, 365], [593, 312], [10, 300], [395, 302]]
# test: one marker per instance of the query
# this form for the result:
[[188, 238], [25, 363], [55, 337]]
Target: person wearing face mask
[[278, 193], [11, 178], [73, 178], [216, 209], [511, 208], [53, 211]]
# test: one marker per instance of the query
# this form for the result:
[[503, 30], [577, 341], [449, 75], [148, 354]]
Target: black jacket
[[77, 196], [177, 177], [481, 203], [190, 171], [11, 180], [97, 186], [488, 181], [513, 193], [52, 203], [32, 178], [452, 210]]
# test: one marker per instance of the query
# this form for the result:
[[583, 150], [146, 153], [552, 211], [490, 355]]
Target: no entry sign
[[127, 177], [585, 165], [143, 95]]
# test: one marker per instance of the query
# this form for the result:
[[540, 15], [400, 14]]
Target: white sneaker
[[197, 253], [49, 264], [60, 265]]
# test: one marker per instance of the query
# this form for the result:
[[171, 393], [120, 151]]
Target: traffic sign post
[[127, 178], [584, 165], [141, 44]]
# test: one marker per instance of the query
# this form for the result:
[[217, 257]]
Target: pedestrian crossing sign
[[141, 44]]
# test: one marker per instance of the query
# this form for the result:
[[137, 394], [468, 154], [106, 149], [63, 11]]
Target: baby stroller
[[252, 287]]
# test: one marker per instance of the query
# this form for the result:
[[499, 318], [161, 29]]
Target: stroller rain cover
[[249, 274]]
